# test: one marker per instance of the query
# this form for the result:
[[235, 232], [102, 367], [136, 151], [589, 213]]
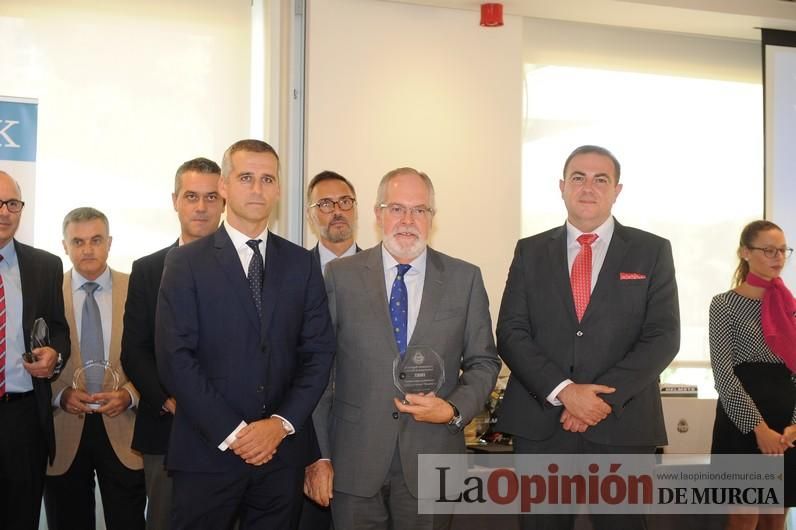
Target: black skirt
[[771, 388]]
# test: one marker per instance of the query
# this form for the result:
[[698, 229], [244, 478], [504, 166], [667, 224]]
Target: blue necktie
[[92, 347], [399, 302], [255, 274]]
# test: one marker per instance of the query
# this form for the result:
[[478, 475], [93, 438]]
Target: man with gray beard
[[385, 302], [332, 215]]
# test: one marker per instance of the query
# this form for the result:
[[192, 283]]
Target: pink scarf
[[778, 315]]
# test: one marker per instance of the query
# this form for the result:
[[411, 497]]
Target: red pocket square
[[632, 276]]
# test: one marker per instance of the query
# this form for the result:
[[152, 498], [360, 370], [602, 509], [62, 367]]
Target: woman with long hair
[[753, 355]]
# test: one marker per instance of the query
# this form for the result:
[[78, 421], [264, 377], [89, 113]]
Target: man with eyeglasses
[[332, 214], [588, 321], [199, 207], [244, 343], [30, 289], [94, 414], [391, 303]]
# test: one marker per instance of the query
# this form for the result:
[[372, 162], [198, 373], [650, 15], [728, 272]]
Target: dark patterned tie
[[255, 274], [91, 343], [399, 301]]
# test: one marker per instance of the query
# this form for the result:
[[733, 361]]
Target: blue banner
[[18, 122]]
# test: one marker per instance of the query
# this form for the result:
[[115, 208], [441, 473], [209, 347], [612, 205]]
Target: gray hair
[[251, 146], [82, 214], [200, 165], [381, 194]]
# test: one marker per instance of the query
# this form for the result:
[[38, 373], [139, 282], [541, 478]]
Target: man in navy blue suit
[[244, 343]]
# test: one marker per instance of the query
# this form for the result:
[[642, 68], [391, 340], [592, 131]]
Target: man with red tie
[[31, 289], [588, 321]]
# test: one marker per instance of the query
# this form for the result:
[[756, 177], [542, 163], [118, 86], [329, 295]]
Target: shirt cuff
[[286, 423], [57, 399], [552, 398], [223, 446], [133, 400]]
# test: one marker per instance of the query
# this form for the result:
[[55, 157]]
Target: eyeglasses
[[13, 205], [398, 211], [327, 205], [771, 252]]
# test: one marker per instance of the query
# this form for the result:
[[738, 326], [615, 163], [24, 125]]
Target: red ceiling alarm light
[[491, 15]]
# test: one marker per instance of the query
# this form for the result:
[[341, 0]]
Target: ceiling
[[737, 19]]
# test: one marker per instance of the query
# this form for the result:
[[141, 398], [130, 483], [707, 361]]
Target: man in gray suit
[[445, 308], [589, 320]]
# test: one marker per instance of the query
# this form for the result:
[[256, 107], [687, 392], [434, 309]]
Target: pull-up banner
[[18, 129]]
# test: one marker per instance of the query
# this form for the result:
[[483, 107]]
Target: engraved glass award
[[39, 338], [420, 371], [94, 377]]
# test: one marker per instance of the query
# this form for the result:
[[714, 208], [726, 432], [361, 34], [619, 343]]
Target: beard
[[339, 232], [405, 251]]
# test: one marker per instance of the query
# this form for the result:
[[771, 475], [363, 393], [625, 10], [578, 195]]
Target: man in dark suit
[[30, 288], [386, 301], [199, 207], [245, 345], [332, 215], [588, 321]]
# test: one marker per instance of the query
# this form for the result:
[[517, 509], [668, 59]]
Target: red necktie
[[2, 337], [580, 279]]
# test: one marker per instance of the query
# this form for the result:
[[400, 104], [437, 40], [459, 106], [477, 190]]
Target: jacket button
[[260, 388], [579, 333], [395, 415]]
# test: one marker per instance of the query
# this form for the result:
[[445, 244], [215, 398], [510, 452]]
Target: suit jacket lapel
[[610, 269], [557, 256], [377, 294], [28, 283], [69, 313], [433, 288], [274, 278], [118, 296], [230, 263]]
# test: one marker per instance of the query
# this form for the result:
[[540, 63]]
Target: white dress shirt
[[599, 248], [414, 279], [327, 255]]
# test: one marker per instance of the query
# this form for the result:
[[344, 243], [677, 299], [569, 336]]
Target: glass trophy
[[94, 377], [420, 371], [39, 338]]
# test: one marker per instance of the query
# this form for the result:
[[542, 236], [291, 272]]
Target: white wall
[[617, 48], [393, 85], [127, 90]]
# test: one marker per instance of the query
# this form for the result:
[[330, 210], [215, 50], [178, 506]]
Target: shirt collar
[[418, 264], [239, 239], [328, 255], [9, 253], [604, 231], [104, 280]]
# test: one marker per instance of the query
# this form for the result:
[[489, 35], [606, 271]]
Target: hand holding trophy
[[39, 338], [419, 371], [97, 379]]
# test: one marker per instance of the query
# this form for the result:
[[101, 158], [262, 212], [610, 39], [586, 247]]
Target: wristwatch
[[457, 420], [59, 365]]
